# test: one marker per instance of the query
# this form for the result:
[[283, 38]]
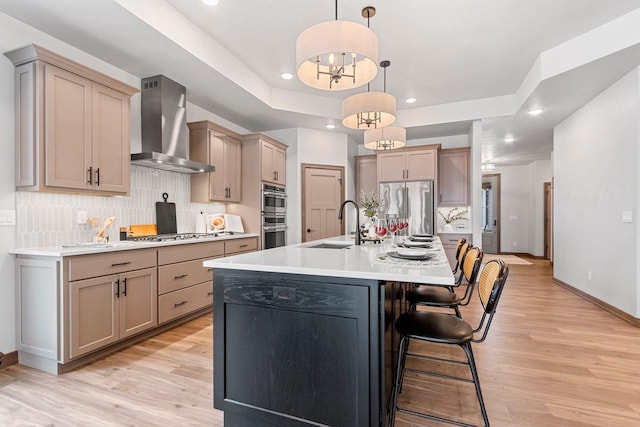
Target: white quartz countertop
[[84, 249], [367, 261]]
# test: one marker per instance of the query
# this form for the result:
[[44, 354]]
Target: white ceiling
[[463, 60]]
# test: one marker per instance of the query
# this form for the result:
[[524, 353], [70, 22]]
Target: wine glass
[[381, 228], [402, 225], [393, 226]]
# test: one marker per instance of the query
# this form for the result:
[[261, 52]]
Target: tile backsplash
[[47, 219]]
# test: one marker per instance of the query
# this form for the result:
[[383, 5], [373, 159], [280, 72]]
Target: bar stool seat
[[439, 327], [432, 294]]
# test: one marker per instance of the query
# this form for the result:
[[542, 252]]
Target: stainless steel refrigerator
[[411, 200]]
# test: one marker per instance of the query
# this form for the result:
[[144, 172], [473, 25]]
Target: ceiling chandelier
[[386, 138], [370, 109], [337, 55]]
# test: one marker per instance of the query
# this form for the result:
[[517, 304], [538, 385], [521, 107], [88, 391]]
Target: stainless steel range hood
[[165, 143]]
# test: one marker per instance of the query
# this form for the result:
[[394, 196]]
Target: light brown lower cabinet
[[70, 309], [106, 309], [450, 242]]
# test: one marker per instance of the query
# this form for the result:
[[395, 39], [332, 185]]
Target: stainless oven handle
[[273, 193], [282, 227]]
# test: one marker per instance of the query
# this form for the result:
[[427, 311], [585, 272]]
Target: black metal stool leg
[[403, 357], [476, 381], [402, 354]]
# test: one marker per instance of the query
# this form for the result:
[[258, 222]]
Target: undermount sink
[[331, 245]]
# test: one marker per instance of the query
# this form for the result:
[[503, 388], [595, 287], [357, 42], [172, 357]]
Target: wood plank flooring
[[551, 359]]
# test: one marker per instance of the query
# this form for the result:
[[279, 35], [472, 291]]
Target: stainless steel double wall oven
[[274, 216]]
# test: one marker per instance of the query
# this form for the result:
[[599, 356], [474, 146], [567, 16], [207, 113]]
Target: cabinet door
[[421, 165], [111, 147], [217, 187], [454, 178], [233, 169], [94, 314], [268, 173], [138, 301], [67, 129], [366, 176], [279, 165], [391, 167]]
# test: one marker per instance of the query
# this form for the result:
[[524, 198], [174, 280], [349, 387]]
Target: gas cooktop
[[178, 236]]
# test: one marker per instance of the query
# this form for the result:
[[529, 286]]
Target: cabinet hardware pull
[[209, 293], [125, 287], [98, 176], [118, 264], [178, 304], [118, 288], [440, 198], [182, 276], [309, 230], [243, 246], [209, 269], [90, 175]]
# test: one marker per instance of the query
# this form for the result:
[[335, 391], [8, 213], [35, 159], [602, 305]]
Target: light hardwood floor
[[551, 359]]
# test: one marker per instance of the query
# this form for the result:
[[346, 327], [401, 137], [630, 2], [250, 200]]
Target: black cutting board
[[166, 216]]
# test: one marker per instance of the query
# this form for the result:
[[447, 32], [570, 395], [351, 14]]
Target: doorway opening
[[322, 195], [490, 214]]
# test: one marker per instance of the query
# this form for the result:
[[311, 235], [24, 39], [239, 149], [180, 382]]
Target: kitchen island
[[304, 333]]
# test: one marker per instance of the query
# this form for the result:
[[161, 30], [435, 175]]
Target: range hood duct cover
[[165, 136]]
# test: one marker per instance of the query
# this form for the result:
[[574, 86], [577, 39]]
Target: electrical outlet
[[82, 217], [589, 276]]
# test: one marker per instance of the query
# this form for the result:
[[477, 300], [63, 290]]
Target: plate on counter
[[411, 254], [411, 244], [420, 239], [422, 235]]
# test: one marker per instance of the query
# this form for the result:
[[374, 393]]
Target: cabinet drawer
[[451, 240], [184, 301], [179, 253], [86, 266], [182, 275], [240, 245]]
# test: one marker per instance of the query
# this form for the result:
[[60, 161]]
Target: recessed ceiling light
[[509, 139], [410, 100], [210, 2], [286, 76], [535, 111], [330, 126]]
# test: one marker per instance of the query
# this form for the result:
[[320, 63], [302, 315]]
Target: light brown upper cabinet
[[220, 147], [273, 168], [72, 126], [454, 177], [366, 175], [407, 165]]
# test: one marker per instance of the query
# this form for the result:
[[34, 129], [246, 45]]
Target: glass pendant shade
[[369, 110], [386, 138], [337, 55]]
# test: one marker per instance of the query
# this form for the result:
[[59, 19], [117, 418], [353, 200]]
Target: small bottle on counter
[[123, 233]]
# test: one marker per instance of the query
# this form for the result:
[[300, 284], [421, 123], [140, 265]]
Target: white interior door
[[322, 196]]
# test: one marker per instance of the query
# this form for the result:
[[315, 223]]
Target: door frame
[[547, 219], [303, 196], [498, 204]]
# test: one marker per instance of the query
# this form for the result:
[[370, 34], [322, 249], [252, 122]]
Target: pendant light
[[386, 138], [370, 109], [337, 55]]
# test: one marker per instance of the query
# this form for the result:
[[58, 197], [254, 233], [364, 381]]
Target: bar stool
[[439, 296], [448, 329]]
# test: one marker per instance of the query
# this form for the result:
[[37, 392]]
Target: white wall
[[596, 179], [516, 208], [540, 173]]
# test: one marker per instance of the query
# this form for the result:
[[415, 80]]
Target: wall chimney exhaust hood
[[165, 143]]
